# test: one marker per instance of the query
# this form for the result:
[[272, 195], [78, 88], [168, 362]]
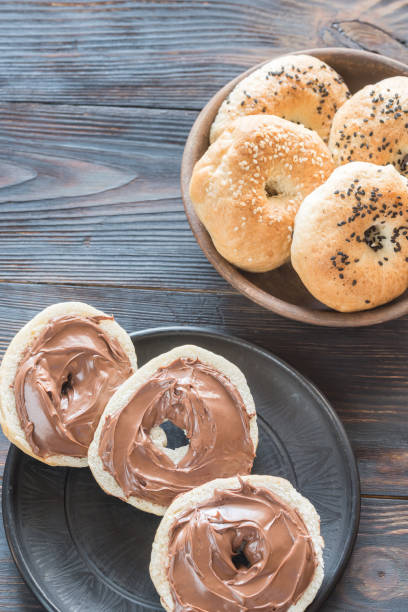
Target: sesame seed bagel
[[247, 187], [350, 243], [300, 88], [228, 531], [372, 126], [64, 407], [222, 435]]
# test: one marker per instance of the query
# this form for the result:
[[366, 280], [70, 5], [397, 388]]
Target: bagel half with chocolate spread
[[249, 184], [243, 543], [300, 88], [56, 378], [199, 392]]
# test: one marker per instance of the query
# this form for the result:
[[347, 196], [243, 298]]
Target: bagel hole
[[175, 435], [239, 559], [271, 189], [373, 237], [66, 385]]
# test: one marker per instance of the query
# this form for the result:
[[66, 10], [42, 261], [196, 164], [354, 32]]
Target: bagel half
[[21, 343], [146, 498], [161, 559]]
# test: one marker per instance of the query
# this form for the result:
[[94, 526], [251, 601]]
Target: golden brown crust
[[350, 244], [300, 88], [228, 187], [373, 126]]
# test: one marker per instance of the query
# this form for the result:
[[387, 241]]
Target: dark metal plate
[[80, 549]]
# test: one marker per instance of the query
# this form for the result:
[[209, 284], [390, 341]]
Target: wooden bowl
[[281, 290]]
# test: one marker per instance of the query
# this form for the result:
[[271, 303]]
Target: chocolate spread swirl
[[196, 398], [64, 382], [243, 550]]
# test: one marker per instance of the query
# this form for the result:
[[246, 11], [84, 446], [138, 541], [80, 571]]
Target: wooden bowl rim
[[232, 274]]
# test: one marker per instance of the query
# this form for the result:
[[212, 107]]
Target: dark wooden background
[[97, 98]]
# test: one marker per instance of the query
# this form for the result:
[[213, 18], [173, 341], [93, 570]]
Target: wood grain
[[364, 373], [172, 54], [91, 195], [364, 35], [90, 209], [377, 575]]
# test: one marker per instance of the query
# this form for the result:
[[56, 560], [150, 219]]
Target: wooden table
[[97, 101]]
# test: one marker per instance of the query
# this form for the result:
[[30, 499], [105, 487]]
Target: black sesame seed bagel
[[300, 88], [350, 243], [373, 126], [247, 187]]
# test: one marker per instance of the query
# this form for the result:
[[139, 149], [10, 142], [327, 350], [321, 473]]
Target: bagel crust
[[9, 417], [163, 559], [163, 478], [247, 187], [373, 126], [350, 244], [300, 88]]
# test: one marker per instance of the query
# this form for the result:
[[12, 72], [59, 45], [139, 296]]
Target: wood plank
[[377, 576], [171, 54], [91, 194], [364, 373]]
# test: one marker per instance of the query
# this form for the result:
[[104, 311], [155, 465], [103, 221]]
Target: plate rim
[[14, 455]]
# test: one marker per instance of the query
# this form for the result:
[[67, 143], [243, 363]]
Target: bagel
[[373, 126], [201, 393], [300, 88], [247, 187], [350, 244], [241, 543], [56, 377]]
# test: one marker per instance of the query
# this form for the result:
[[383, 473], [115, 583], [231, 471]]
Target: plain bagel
[[198, 391], [247, 187], [300, 88], [373, 126], [56, 377], [256, 521], [350, 244]]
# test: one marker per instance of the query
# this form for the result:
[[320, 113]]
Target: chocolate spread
[[64, 382], [243, 550], [196, 398]]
